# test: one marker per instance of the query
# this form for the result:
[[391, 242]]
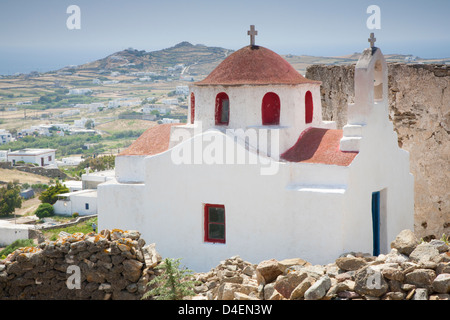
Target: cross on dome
[[252, 33], [372, 40]]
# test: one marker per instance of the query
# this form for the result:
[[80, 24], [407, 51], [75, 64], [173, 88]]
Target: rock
[[293, 263], [346, 285], [443, 267], [420, 277], [396, 295], [243, 296], [370, 282], [268, 270], [405, 242], [301, 288], [151, 257], [393, 274], [286, 284], [318, 289], [348, 295], [425, 252], [343, 276], [440, 245], [132, 270], [395, 257], [132, 234], [350, 263], [441, 283], [421, 294], [226, 291], [440, 296]]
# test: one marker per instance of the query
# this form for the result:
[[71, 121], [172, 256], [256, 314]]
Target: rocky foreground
[[117, 265], [410, 271]]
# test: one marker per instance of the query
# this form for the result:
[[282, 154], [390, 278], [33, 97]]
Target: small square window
[[86, 206], [214, 223]]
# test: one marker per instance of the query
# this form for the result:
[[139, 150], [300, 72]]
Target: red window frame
[[208, 223], [192, 108], [220, 98]]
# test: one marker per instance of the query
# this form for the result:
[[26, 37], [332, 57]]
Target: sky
[[34, 35]]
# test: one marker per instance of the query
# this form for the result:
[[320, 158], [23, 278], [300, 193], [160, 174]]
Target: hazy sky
[[34, 35]]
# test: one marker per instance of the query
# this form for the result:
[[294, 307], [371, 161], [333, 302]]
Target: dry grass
[[125, 124], [9, 175]]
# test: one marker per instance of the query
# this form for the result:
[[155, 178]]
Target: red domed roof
[[254, 65]]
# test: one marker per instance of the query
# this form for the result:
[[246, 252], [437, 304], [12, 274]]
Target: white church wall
[[256, 227], [129, 168], [120, 206], [380, 166]]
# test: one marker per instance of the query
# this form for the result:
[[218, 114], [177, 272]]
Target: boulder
[[370, 282], [421, 277], [286, 284], [425, 252], [405, 242], [268, 270], [441, 283], [318, 289], [302, 287], [350, 263]]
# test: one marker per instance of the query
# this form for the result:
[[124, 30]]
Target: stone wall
[[419, 103], [117, 265], [112, 264]]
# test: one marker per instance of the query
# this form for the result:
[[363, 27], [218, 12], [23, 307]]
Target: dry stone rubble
[[117, 264]]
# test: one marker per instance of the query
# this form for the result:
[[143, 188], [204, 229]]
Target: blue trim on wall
[[376, 222]]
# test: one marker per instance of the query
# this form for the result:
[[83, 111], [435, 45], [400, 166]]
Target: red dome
[[254, 65]]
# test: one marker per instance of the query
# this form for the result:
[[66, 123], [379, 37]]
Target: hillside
[[197, 58], [200, 60]]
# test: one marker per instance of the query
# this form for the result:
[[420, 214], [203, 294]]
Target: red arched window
[[222, 109], [270, 109], [192, 107], [309, 108]]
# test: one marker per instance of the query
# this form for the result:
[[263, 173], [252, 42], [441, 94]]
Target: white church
[[256, 172]]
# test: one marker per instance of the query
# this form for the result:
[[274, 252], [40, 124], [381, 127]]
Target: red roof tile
[[254, 65], [153, 141], [316, 145]]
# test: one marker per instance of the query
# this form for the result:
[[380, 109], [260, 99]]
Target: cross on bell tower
[[372, 40], [252, 33]]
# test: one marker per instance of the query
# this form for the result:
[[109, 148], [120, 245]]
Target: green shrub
[[44, 210], [173, 283], [51, 194], [75, 215]]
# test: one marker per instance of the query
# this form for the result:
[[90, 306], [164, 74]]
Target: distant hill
[[198, 59]]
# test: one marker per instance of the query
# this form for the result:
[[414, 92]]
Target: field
[[7, 175]]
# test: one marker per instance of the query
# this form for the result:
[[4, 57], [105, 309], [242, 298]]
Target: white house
[[80, 91], [182, 90], [41, 157], [84, 202], [256, 172], [3, 155], [5, 136], [82, 195]]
